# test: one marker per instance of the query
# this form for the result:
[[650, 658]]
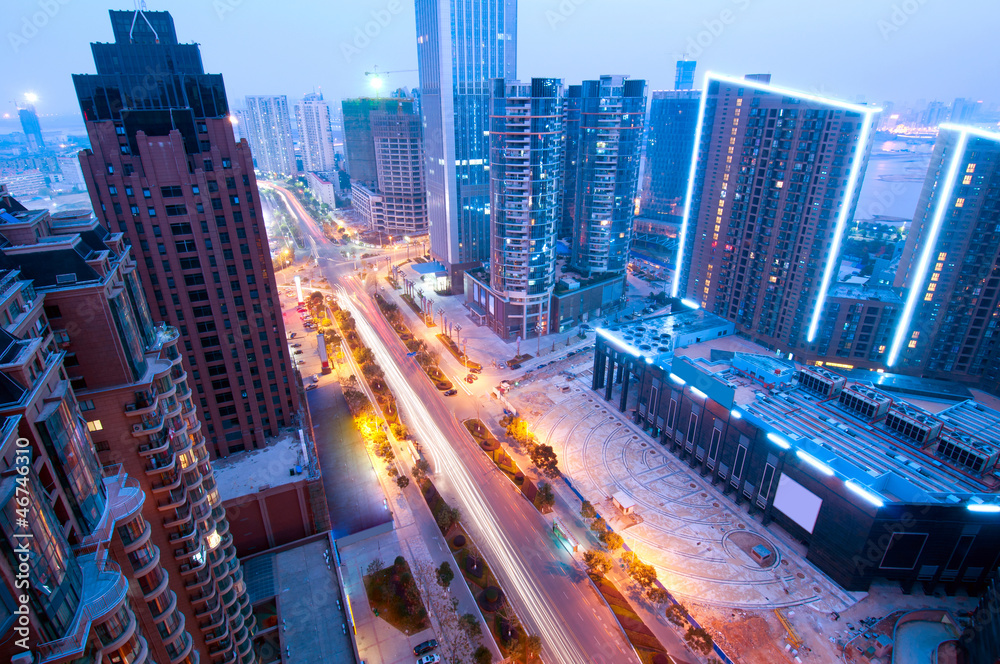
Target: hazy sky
[[902, 50]]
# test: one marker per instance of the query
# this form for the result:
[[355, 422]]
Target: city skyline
[[735, 37]]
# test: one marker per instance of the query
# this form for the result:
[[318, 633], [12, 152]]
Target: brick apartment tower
[[78, 600], [188, 596], [775, 178], [951, 265], [166, 170]]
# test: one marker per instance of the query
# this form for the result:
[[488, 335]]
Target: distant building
[[776, 179], [385, 158], [684, 75], [325, 187], [832, 460], [526, 162], [480, 38], [964, 111], [315, 133], [32, 128], [935, 113], [673, 120], [267, 126], [359, 141], [608, 144]]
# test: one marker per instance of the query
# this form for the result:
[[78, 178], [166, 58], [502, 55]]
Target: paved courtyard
[[695, 537]]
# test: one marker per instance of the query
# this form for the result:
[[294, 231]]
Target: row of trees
[[541, 454]]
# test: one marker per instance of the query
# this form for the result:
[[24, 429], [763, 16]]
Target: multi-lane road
[[552, 596]]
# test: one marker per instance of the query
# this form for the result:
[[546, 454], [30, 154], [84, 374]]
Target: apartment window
[[227, 163], [86, 405], [171, 192], [151, 211], [190, 263], [146, 193], [185, 246], [176, 210], [53, 311], [194, 280], [207, 163], [95, 426], [113, 190]]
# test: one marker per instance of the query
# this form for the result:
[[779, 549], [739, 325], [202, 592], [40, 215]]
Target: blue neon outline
[[779, 441], [838, 231], [983, 508], [814, 462], [917, 285], [692, 169], [861, 491]]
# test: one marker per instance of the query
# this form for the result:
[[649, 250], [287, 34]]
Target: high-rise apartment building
[[607, 147], [673, 119], [315, 134], [267, 125], [396, 205], [684, 74], [131, 385], [527, 139], [951, 264], [775, 177], [460, 49], [164, 169]]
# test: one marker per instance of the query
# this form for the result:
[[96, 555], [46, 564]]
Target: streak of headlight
[[555, 639]]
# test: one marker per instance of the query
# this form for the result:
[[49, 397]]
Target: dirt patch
[[747, 635]]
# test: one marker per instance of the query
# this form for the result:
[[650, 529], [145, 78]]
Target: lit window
[[912, 344], [95, 426], [967, 179], [931, 288], [959, 202], [935, 276], [928, 297], [943, 255], [971, 168]]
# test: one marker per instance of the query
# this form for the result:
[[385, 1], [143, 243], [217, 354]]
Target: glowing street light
[[30, 97]]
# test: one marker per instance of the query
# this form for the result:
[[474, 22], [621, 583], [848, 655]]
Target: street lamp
[[458, 333], [538, 331]]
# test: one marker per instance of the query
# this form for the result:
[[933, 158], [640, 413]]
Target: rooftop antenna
[[140, 7]]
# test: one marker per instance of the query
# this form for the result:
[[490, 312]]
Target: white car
[[429, 659], [314, 378]]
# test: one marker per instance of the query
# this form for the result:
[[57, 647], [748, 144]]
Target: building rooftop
[[657, 337], [254, 470], [865, 291], [884, 442]]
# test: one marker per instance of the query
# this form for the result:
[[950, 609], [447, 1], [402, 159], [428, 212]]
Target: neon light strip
[[779, 441], [864, 493], [787, 92], [627, 347], [677, 379], [975, 131], [735, 414], [985, 508], [698, 393], [691, 304], [838, 231], [692, 169], [916, 286], [814, 462]]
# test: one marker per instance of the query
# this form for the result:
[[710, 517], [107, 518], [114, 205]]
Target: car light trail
[[556, 640]]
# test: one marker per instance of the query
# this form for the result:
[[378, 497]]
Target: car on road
[[298, 352], [515, 366], [469, 379], [476, 370], [429, 659], [314, 378], [425, 647], [296, 345], [450, 393], [311, 386], [292, 335], [471, 376]]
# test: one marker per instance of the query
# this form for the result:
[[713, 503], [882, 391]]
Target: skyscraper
[[31, 127], [608, 144], [673, 119], [396, 205], [775, 177], [460, 49], [684, 75], [268, 127], [359, 142], [132, 398], [315, 133], [165, 170], [527, 139], [951, 264]]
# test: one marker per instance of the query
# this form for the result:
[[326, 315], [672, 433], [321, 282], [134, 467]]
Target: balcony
[[173, 500], [147, 427], [181, 519], [144, 404], [154, 446], [124, 498], [193, 568], [104, 589]]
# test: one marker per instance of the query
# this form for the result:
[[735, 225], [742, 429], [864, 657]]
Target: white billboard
[[797, 502]]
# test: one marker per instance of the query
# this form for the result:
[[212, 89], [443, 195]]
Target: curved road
[[552, 596]]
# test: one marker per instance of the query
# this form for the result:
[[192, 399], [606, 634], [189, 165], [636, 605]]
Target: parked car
[[314, 378], [476, 370], [515, 366], [296, 345], [425, 647], [298, 352], [429, 659], [292, 335], [469, 378], [450, 393], [311, 386]]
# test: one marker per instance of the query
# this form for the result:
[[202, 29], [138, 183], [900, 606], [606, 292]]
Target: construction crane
[[377, 76]]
